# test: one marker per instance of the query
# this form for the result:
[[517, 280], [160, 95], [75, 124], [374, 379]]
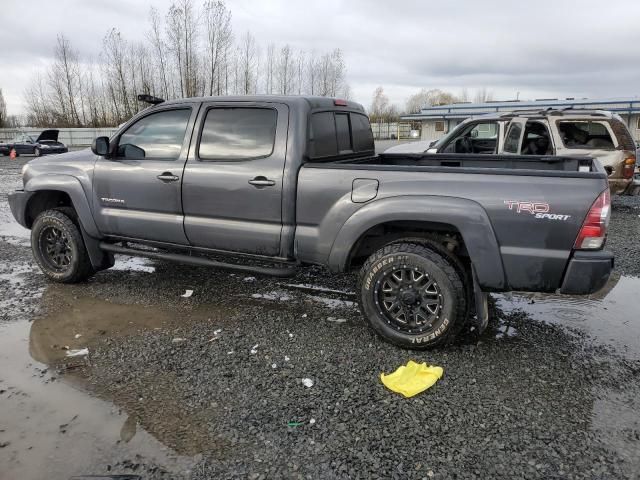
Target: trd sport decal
[[537, 209]]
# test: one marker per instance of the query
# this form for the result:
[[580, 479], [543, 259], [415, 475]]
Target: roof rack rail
[[150, 99], [551, 111]]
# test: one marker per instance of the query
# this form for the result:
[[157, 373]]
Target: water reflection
[[610, 316]]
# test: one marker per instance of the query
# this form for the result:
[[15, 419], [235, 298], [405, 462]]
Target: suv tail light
[[629, 165], [594, 229]]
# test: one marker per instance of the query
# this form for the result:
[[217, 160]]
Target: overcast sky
[[538, 48]]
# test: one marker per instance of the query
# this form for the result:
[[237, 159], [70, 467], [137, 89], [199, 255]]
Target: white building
[[437, 121]]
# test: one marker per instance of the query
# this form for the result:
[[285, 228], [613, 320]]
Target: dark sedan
[[23, 144]]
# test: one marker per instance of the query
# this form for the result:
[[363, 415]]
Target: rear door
[[137, 192], [232, 187]]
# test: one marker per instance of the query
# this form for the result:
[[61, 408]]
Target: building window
[[439, 126]]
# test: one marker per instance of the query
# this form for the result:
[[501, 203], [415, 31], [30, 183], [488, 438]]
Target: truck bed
[[519, 216]]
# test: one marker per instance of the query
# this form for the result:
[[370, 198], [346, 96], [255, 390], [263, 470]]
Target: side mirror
[[432, 143], [100, 146]]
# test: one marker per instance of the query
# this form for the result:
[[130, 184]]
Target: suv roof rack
[[150, 99], [551, 111]]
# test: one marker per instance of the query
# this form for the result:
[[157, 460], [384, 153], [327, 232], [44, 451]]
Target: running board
[[198, 261]]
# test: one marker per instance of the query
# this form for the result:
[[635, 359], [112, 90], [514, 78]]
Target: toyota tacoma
[[266, 184]]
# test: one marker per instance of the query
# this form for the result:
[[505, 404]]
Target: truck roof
[[313, 102]]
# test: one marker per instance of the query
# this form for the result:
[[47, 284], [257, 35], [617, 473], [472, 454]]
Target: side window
[[344, 133], [513, 138], [158, 136], [238, 133], [323, 135], [536, 140], [585, 134], [466, 138], [362, 134]]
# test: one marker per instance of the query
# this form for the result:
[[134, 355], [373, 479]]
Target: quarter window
[[238, 133], [158, 136]]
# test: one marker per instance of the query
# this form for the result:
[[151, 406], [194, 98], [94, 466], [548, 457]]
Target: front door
[[232, 188], [137, 192]]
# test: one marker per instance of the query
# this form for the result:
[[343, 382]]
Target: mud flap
[[481, 319], [100, 260]]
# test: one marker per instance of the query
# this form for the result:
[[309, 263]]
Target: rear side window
[[158, 136], [513, 138], [238, 134], [585, 134], [323, 135], [337, 133], [362, 134]]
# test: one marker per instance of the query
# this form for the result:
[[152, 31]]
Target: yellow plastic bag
[[412, 378]]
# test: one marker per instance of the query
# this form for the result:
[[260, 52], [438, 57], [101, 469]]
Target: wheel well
[[385, 233], [45, 200]]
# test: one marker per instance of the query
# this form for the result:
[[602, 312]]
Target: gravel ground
[[624, 234], [220, 379]]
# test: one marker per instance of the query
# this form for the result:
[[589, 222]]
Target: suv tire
[[58, 247], [412, 295]]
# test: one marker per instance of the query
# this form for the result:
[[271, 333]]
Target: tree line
[[383, 111], [188, 51]]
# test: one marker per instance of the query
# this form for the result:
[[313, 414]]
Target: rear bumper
[[18, 203], [587, 272]]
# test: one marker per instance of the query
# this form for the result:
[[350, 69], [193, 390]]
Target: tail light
[[629, 165], [594, 229]]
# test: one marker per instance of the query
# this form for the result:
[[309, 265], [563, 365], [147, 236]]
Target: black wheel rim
[[55, 247], [409, 299]]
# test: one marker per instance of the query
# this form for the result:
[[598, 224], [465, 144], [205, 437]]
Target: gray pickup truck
[[271, 183]]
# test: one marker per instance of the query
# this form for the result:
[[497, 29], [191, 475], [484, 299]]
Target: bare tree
[[115, 49], [159, 48], [270, 69], [247, 72], [192, 52], [379, 105], [284, 73], [427, 98], [218, 40], [3, 110], [64, 78]]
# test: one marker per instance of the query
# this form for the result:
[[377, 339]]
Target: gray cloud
[[543, 48]]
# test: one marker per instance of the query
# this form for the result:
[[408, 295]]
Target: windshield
[[449, 135]]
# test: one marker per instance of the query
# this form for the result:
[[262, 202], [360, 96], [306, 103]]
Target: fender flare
[[90, 233], [467, 216], [72, 187]]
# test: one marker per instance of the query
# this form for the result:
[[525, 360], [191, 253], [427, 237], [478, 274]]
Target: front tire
[[58, 248], [412, 296]]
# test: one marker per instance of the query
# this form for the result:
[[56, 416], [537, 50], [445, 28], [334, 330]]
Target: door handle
[[261, 181], [168, 177]]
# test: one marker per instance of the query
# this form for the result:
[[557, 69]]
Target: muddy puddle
[[51, 427], [610, 316]]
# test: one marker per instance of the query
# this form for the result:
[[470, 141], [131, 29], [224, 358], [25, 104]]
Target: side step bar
[[199, 261]]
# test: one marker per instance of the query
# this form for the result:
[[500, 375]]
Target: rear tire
[[58, 248], [412, 296]]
